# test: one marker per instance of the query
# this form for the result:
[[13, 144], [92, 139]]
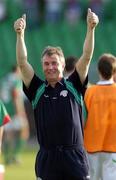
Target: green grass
[[23, 171]]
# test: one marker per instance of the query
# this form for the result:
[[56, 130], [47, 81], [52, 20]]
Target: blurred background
[[57, 23]]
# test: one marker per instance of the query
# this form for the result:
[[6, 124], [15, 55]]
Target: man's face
[[53, 68]]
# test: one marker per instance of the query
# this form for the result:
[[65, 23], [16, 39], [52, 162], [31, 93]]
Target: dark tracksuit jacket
[[59, 124]]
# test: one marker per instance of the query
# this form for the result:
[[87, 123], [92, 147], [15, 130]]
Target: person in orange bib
[[100, 125]]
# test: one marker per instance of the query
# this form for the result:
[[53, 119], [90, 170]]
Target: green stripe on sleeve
[[40, 91], [78, 97]]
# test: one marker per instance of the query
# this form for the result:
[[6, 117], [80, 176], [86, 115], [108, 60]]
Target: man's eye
[[54, 63], [46, 63]]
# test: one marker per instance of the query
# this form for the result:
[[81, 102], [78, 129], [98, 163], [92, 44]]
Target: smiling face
[[53, 67]]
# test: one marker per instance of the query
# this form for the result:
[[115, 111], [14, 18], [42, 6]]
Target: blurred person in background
[[32, 9], [3, 10], [57, 106], [73, 11], [114, 78], [16, 133], [53, 10], [100, 125], [4, 119], [70, 63]]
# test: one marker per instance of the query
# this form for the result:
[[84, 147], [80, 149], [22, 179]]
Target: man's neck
[[53, 83]]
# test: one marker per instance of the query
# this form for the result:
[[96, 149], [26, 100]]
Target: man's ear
[[63, 66]]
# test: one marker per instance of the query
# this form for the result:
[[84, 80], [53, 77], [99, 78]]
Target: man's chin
[[51, 79]]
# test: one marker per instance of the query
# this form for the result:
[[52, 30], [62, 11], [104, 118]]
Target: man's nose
[[50, 66]]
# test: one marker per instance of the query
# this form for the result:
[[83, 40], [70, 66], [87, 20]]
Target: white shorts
[[102, 166]]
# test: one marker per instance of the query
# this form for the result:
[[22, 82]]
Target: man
[[57, 108], [4, 119], [70, 62], [100, 127], [16, 132]]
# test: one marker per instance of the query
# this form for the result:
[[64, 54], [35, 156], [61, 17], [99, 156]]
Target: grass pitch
[[26, 170]]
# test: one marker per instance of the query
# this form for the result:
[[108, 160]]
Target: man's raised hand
[[20, 24], [92, 19]]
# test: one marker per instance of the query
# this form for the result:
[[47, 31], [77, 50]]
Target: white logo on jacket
[[64, 93]]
